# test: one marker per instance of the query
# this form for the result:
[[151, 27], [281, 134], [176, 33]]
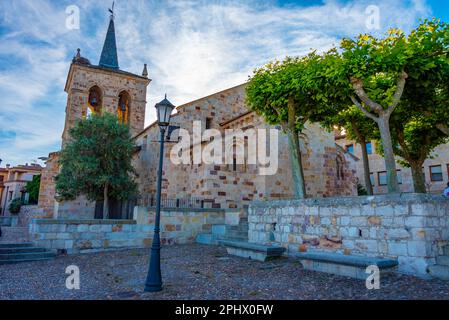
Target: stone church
[[329, 170]]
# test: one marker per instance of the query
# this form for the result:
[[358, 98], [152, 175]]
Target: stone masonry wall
[[410, 227], [219, 185], [79, 208], [47, 188], [85, 235], [111, 84]]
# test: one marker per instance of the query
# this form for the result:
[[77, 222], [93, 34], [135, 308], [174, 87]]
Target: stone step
[[14, 234], [253, 251], [206, 238], [235, 236], [235, 228], [21, 250], [236, 231], [439, 271], [16, 245], [218, 230], [443, 260], [27, 256], [23, 260], [242, 239]]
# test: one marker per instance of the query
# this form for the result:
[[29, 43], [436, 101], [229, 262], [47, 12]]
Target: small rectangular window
[[399, 176], [371, 177], [350, 148], [369, 148], [208, 123], [382, 178], [436, 173]]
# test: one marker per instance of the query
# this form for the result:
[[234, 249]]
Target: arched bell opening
[[94, 102], [123, 108]]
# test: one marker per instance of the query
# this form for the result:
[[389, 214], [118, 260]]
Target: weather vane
[[112, 9]]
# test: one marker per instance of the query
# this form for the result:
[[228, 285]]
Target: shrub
[[361, 191], [14, 206]]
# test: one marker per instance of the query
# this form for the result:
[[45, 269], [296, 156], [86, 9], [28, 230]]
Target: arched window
[[95, 101], [123, 107], [340, 168]]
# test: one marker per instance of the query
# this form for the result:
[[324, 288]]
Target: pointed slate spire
[[108, 57]]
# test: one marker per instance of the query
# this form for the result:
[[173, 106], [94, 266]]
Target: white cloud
[[193, 48]]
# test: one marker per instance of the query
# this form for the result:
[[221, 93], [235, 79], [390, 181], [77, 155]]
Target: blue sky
[[193, 48]]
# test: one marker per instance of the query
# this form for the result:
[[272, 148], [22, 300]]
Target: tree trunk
[[419, 184], [295, 153], [390, 162], [366, 169], [105, 202], [297, 170]]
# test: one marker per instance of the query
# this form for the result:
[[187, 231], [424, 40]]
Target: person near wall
[[446, 191]]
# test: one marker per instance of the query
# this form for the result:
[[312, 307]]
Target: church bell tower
[[94, 89], [105, 87]]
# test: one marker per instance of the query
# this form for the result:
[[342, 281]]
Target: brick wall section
[[76, 209], [47, 188], [411, 227]]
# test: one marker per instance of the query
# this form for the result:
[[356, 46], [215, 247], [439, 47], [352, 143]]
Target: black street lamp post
[[154, 278]]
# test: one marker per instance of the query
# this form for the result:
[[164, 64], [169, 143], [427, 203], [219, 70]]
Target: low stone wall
[[28, 213], [88, 235], [411, 227], [178, 226]]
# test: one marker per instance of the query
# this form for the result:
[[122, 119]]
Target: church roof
[[108, 57]]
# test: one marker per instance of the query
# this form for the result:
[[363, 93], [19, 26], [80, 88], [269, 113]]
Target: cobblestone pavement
[[198, 272]]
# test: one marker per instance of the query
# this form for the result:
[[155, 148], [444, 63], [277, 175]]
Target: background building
[[328, 170], [435, 168], [13, 181]]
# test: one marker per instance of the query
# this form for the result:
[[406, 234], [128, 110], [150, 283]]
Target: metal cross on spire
[[112, 9]]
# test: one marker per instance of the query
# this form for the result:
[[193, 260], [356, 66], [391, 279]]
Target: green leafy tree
[[96, 162], [414, 142], [358, 128], [376, 73], [420, 122], [427, 89], [375, 69], [32, 188], [282, 93]]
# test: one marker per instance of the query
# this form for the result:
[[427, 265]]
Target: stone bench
[[344, 265], [252, 250]]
